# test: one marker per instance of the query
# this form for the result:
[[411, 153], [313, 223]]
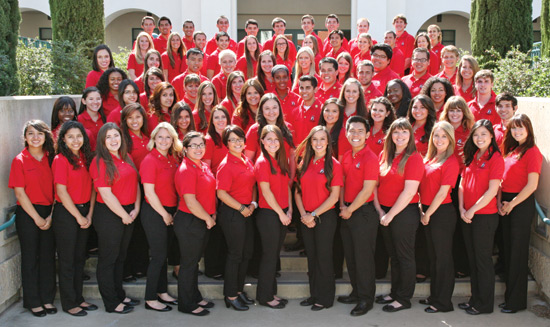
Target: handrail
[[541, 214], [8, 223]]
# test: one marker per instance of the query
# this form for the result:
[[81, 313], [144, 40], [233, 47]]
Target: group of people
[[218, 159]]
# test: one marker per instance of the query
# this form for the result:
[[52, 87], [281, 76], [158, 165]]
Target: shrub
[[9, 18], [121, 58], [34, 69], [70, 65]]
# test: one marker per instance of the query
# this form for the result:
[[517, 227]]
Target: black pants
[[516, 232], [399, 237], [215, 253], [37, 258], [479, 237], [137, 258], [158, 236], [359, 237], [71, 242], [439, 236], [460, 257], [192, 237], [381, 257], [319, 242], [421, 254], [239, 235], [337, 248], [113, 240], [272, 234]]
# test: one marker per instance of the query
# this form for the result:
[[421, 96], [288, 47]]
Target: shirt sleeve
[[449, 171], [148, 171], [262, 170], [496, 167], [534, 160], [414, 169], [189, 186], [337, 174], [17, 174], [61, 170], [131, 61]]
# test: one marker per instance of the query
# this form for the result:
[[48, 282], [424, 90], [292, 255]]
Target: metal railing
[[35, 42], [542, 216], [535, 51], [8, 223]]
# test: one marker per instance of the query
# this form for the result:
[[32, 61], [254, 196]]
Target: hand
[[46, 223], [128, 219], [168, 219], [381, 213], [251, 208], [214, 217], [89, 221], [210, 222], [285, 219], [499, 207], [246, 212], [507, 207], [307, 219], [82, 221], [425, 219], [463, 216], [386, 220], [134, 213], [345, 213]]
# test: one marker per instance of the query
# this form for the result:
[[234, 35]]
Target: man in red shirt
[[279, 27], [381, 54], [398, 58], [188, 31], [419, 75], [165, 28], [308, 24], [330, 87], [507, 105], [195, 59], [213, 68], [148, 26], [332, 23], [365, 72], [336, 38], [363, 26], [306, 116], [223, 26], [199, 37], [404, 41], [289, 100], [483, 106], [251, 27]]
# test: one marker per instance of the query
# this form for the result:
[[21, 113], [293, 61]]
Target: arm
[[410, 189], [165, 73], [272, 202], [234, 204], [155, 203], [210, 74], [91, 211], [304, 216], [137, 204], [436, 202], [526, 191], [292, 166], [114, 205], [377, 205], [484, 200], [197, 210], [68, 203], [26, 204], [461, 203], [360, 199], [132, 74]]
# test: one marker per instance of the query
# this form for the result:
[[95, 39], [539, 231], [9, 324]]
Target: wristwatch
[[313, 214]]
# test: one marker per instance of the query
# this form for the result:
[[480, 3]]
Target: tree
[[9, 20], [501, 24], [544, 28]]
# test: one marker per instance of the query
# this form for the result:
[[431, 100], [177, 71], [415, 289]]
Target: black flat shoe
[[347, 299], [129, 279], [420, 279], [277, 274], [140, 275], [208, 305], [295, 247], [175, 302], [132, 302], [502, 305], [126, 309], [174, 275], [279, 305], [391, 308], [464, 305], [318, 307], [360, 309], [472, 311], [235, 304], [202, 313], [283, 301], [245, 299], [39, 314], [80, 313], [431, 310], [424, 301], [91, 307], [380, 299], [50, 311], [506, 310], [166, 308], [85, 277], [307, 302]]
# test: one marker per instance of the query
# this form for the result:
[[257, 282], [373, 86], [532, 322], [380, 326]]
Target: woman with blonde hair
[[305, 65], [174, 59], [144, 43]]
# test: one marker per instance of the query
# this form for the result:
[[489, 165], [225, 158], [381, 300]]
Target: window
[[448, 37], [45, 33]]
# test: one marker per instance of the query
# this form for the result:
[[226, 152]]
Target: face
[[331, 113], [484, 85], [194, 63], [195, 149], [130, 95], [419, 112], [207, 96], [220, 120], [335, 41], [351, 93], [281, 80], [235, 144], [114, 81], [237, 86], [251, 45], [113, 141], [364, 74], [175, 42], [380, 60], [223, 25], [65, 114], [163, 140], [266, 64], [449, 60], [455, 116], [332, 24], [148, 26], [164, 27], [34, 138], [307, 91], [74, 140], [228, 64], [362, 27], [437, 93], [184, 120], [378, 112], [153, 81], [422, 42], [281, 46], [389, 39], [433, 33], [252, 96], [191, 90], [420, 62], [328, 73], [271, 143], [466, 70], [395, 93], [505, 109], [279, 28], [223, 42], [519, 133], [399, 25], [319, 142], [143, 43], [153, 61], [252, 29], [441, 140], [200, 41], [304, 60], [400, 137], [307, 43], [482, 138], [135, 121], [343, 66], [363, 44], [188, 29], [92, 101], [356, 134], [167, 98], [103, 59], [307, 25], [271, 111]]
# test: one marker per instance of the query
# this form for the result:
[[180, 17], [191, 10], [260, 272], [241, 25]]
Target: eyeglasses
[[379, 56], [237, 140], [420, 60], [197, 146]]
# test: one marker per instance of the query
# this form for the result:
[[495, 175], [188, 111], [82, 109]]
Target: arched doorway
[[454, 26], [122, 27], [35, 24]]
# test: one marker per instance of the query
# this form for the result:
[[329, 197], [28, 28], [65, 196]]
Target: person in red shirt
[[32, 182], [128, 92], [102, 60], [227, 62], [199, 38], [305, 65], [421, 115], [108, 87], [173, 60], [182, 119], [319, 179], [64, 110], [188, 31], [245, 113], [196, 215], [381, 115], [306, 116], [332, 23], [352, 98], [207, 99], [152, 59], [439, 89], [152, 78], [434, 32], [363, 26], [397, 63], [401, 170], [157, 173], [135, 60], [483, 106], [336, 39], [311, 42], [359, 217], [251, 28], [423, 41], [134, 131], [195, 61], [449, 59], [404, 41], [91, 114], [381, 55], [233, 88], [118, 203], [191, 84], [332, 117], [308, 26], [365, 72], [161, 102], [439, 215], [148, 26], [345, 67], [215, 149], [72, 214], [248, 62], [282, 52], [419, 74], [223, 26], [506, 106], [363, 46], [266, 61], [467, 69], [516, 204], [213, 64], [399, 95], [165, 28], [279, 26], [288, 99], [330, 87], [272, 172]]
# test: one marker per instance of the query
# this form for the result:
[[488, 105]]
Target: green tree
[[545, 27], [501, 24], [9, 31]]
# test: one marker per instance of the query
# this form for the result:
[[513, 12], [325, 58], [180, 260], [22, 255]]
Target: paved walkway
[[292, 315]]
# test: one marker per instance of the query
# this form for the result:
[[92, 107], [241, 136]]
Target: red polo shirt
[[160, 43], [236, 120], [334, 54], [488, 111], [357, 58], [110, 104], [437, 49], [371, 93], [392, 184], [144, 101], [467, 96], [288, 63], [332, 92], [188, 43], [236, 177], [421, 147], [123, 186], [358, 168], [451, 79], [414, 84], [178, 83], [92, 126], [229, 105], [180, 65], [296, 88], [516, 170], [133, 64], [313, 182], [192, 178], [437, 175], [381, 78], [405, 43], [214, 153], [93, 78], [34, 176], [289, 103], [327, 47], [500, 132], [159, 170], [476, 177], [139, 148], [278, 183], [78, 181], [461, 135], [269, 45], [304, 120], [220, 83], [397, 63], [197, 120], [376, 141], [242, 66], [153, 121], [343, 143], [214, 62]]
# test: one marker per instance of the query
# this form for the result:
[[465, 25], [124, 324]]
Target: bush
[[70, 66], [121, 58], [10, 19], [34, 69]]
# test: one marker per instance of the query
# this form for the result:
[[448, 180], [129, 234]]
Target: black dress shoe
[[40, 314], [208, 305], [126, 309], [235, 304], [308, 302], [299, 245], [283, 301], [129, 279], [472, 311], [360, 309], [347, 299], [421, 279], [431, 310], [80, 313], [464, 305], [132, 302], [166, 308], [318, 307], [140, 275], [85, 277], [91, 307], [202, 313], [245, 299], [174, 275], [175, 302], [424, 301], [506, 310], [380, 299], [391, 308], [279, 305], [502, 305], [50, 311]]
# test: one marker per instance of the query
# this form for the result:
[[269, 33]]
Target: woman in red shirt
[[144, 43], [477, 197], [236, 189], [152, 77], [275, 211], [364, 43], [516, 203], [380, 118], [182, 119], [174, 60], [345, 67], [128, 93], [32, 181], [153, 59], [439, 215], [102, 60], [439, 90], [248, 63], [196, 188], [467, 69], [233, 88], [305, 65], [91, 114], [245, 113], [332, 118], [108, 88], [64, 110], [266, 61], [401, 170], [281, 52], [72, 214], [161, 103], [310, 41], [157, 175], [118, 203], [434, 32], [207, 100], [421, 115], [399, 95], [134, 131], [319, 179]]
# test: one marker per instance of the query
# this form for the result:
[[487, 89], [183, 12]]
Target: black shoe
[[283, 301], [380, 299], [299, 245], [200, 273], [431, 310], [208, 305], [132, 302], [460, 275], [303, 253], [318, 307], [175, 302], [216, 277], [174, 275], [93, 252], [80, 313], [278, 274], [347, 299], [40, 314], [126, 309], [421, 279], [202, 313], [472, 311], [308, 302], [85, 277], [235, 304], [50, 311], [140, 275], [360, 309], [502, 305], [279, 305], [245, 299], [391, 308], [464, 305], [91, 307], [166, 308], [129, 279], [506, 310], [424, 301]]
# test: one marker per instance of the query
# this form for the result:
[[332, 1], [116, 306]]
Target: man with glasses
[[419, 75], [381, 55]]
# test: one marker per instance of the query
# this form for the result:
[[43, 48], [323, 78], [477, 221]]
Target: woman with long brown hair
[[207, 99], [245, 113]]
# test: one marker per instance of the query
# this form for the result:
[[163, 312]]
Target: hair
[[95, 65], [195, 51], [83, 108], [278, 68], [191, 78], [189, 21], [59, 104], [315, 44], [103, 83], [470, 148], [457, 102], [400, 16], [125, 113], [427, 103], [122, 87], [484, 73], [243, 109], [475, 67], [260, 119], [48, 147], [509, 144], [280, 156], [165, 19], [149, 54], [389, 108], [276, 51], [403, 108], [227, 53], [229, 88], [137, 50], [251, 58], [222, 17], [335, 131], [358, 119], [298, 68], [349, 59], [363, 19], [361, 107], [329, 60], [432, 150], [102, 153], [388, 154], [309, 78], [451, 49], [506, 96], [180, 52], [199, 106], [259, 72], [155, 107], [384, 47], [212, 129], [332, 16], [219, 35], [85, 149], [176, 143], [367, 63], [189, 136], [449, 90], [277, 20], [337, 32], [425, 35], [308, 17], [305, 154], [251, 22], [146, 18], [151, 71], [176, 111], [391, 32], [439, 37], [232, 129]]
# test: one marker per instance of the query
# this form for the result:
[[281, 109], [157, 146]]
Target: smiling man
[[483, 106], [420, 74], [381, 55], [330, 87]]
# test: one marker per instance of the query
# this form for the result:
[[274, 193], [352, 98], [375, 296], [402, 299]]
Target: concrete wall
[[31, 22], [453, 22]]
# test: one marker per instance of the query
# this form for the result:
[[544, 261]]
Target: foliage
[[9, 22], [70, 65], [121, 58], [34, 69], [545, 28], [78, 21]]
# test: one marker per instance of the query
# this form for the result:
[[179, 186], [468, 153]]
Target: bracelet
[[242, 208], [255, 204]]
